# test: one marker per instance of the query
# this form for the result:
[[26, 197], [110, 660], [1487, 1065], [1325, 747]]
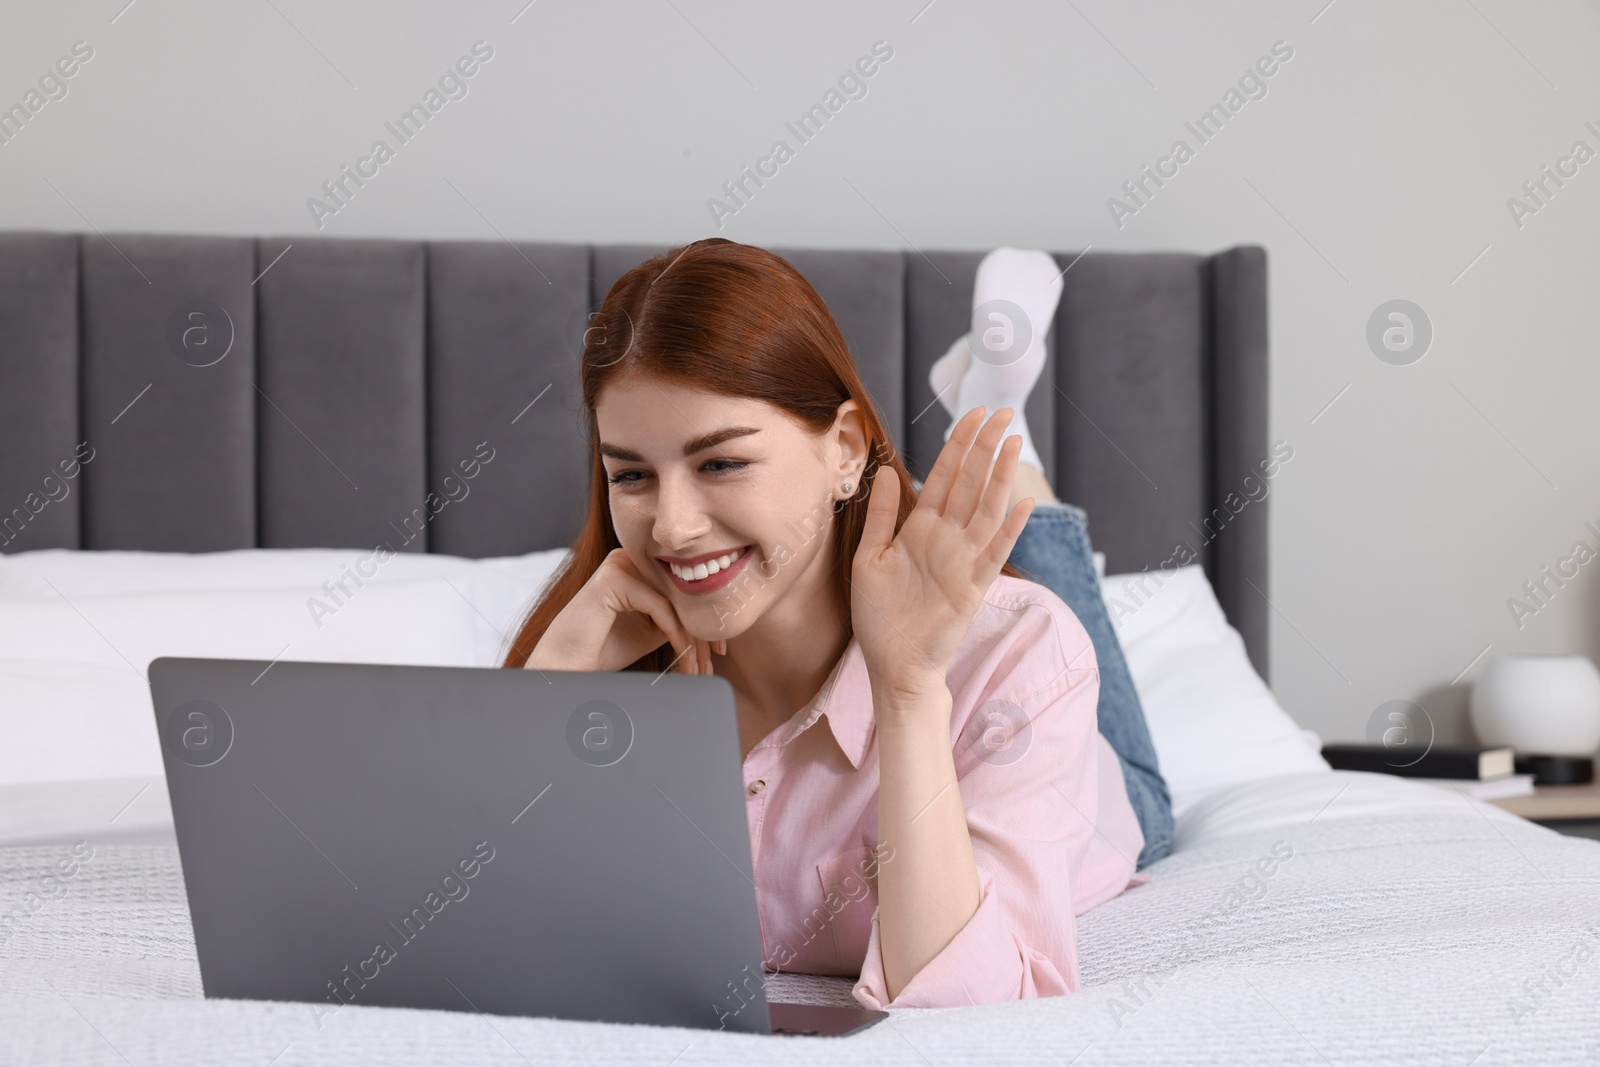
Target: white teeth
[[704, 570]]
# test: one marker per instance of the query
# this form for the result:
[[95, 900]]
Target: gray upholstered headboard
[[359, 375]]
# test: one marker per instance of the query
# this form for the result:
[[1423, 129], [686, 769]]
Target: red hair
[[731, 319]]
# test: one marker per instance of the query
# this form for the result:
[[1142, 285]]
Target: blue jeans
[[1054, 551]]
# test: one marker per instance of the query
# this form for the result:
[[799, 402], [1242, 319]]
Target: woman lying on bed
[[749, 517]]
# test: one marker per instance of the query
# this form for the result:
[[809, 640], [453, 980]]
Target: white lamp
[[1547, 704]]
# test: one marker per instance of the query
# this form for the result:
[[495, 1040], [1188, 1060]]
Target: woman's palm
[[915, 591]]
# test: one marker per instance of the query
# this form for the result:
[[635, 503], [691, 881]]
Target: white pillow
[[74, 720], [45, 573], [74, 701], [1212, 719], [402, 622], [501, 588]]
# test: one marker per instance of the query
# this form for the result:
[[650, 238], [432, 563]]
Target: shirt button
[[757, 786]]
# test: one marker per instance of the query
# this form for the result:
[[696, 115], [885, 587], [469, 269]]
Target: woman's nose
[[680, 519]]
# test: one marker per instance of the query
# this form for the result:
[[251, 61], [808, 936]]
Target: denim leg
[[1054, 551]]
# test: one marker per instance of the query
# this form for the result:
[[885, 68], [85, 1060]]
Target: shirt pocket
[[849, 883]]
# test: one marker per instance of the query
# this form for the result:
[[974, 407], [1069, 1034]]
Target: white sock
[[945, 376], [1013, 303]]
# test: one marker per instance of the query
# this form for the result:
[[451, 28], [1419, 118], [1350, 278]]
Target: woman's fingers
[[974, 475], [883, 507], [697, 661], [685, 658], [999, 549], [992, 508], [690, 654], [936, 489], [660, 611]]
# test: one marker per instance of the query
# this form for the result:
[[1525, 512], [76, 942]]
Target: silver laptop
[[565, 844]]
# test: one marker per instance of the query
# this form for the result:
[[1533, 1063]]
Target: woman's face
[[735, 492]]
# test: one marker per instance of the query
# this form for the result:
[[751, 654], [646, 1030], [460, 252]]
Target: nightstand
[[1568, 809]]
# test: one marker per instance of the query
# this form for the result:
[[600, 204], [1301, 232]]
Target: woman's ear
[[847, 443]]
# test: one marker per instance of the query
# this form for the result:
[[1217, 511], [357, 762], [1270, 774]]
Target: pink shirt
[[1052, 829]]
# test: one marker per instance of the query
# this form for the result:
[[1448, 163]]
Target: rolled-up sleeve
[[1053, 832], [985, 962]]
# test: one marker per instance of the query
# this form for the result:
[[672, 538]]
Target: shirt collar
[[846, 699]]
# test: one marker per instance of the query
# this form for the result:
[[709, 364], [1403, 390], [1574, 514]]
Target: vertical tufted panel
[[938, 310], [362, 374], [174, 463], [1238, 419], [343, 460], [504, 328], [39, 503], [865, 293], [1132, 440]]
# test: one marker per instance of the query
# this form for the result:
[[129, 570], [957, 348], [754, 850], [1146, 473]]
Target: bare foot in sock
[[1014, 300]]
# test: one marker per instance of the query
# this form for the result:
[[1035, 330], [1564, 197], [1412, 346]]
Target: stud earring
[[848, 489]]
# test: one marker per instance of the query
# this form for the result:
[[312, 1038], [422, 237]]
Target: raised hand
[[914, 593]]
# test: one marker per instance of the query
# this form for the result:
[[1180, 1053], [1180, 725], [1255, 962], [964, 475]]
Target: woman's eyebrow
[[711, 440], [699, 444]]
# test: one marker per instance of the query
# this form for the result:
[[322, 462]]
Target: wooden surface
[[1556, 802]]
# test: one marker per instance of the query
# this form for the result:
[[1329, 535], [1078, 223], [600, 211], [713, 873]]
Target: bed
[[247, 418]]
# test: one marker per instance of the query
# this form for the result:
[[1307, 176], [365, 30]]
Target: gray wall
[[1377, 166]]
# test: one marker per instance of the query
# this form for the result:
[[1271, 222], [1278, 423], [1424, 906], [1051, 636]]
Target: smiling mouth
[[700, 572]]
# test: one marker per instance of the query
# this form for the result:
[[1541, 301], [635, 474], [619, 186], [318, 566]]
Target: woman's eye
[[712, 466]]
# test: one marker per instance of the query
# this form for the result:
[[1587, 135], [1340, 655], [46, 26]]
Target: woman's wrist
[[911, 699], [547, 658]]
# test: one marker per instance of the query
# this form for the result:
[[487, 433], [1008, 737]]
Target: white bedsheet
[[1294, 799], [125, 811], [1408, 924]]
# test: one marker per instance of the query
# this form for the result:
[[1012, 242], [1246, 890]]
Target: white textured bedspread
[[1442, 935]]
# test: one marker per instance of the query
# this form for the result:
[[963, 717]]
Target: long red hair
[[731, 319]]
